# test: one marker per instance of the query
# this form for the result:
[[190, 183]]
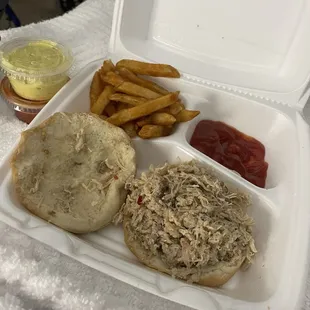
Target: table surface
[[33, 275]]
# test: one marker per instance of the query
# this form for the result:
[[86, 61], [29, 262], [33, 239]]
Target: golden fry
[[128, 87], [143, 121], [136, 90], [182, 106], [103, 100], [131, 100], [144, 109], [158, 118], [121, 106], [145, 68], [127, 74], [110, 109], [174, 109], [130, 129], [186, 115], [154, 131], [112, 78], [108, 66], [96, 88]]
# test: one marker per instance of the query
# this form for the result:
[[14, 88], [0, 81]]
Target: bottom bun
[[213, 276]]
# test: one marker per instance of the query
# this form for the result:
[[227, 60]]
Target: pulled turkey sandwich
[[71, 171], [181, 220]]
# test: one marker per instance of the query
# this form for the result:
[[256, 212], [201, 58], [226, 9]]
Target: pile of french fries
[[121, 96]]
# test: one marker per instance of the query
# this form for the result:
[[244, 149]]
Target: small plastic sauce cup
[[25, 110], [37, 68]]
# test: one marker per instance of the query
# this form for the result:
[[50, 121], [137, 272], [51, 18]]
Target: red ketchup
[[233, 149]]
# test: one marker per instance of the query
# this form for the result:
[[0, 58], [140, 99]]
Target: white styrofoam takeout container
[[246, 64]]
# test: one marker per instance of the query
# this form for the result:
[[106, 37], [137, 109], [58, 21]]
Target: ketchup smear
[[233, 149]]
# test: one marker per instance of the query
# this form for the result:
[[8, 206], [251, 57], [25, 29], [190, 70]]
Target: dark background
[[32, 11]]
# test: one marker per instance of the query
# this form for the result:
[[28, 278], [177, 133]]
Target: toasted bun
[[71, 170], [212, 277]]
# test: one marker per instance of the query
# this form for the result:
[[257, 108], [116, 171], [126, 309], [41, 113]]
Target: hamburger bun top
[[71, 170]]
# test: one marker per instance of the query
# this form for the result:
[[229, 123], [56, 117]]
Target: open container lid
[[259, 47]]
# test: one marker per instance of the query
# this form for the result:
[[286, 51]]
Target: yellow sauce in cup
[[38, 90], [37, 69]]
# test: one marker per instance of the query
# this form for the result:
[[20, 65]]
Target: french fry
[[130, 129], [144, 109], [145, 68], [130, 76], [136, 90], [108, 66], [96, 88], [186, 115], [121, 106], [128, 87], [174, 109], [143, 121], [131, 100], [157, 118], [182, 106], [110, 109], [103, 100], [154, 131], [112, 78]]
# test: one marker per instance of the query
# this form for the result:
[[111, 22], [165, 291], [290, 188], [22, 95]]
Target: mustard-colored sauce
[[34, 58], [38, 90]]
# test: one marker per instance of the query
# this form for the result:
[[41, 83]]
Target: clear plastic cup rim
[[13, 72]]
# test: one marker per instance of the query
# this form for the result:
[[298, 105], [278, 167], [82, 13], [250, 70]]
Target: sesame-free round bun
[[71, 170]]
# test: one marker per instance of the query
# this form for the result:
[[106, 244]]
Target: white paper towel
[[32, 275]]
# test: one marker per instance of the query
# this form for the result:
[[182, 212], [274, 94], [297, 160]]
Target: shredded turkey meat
[[189, 218]]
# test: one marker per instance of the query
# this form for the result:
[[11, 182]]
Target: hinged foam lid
[[262, 46]]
